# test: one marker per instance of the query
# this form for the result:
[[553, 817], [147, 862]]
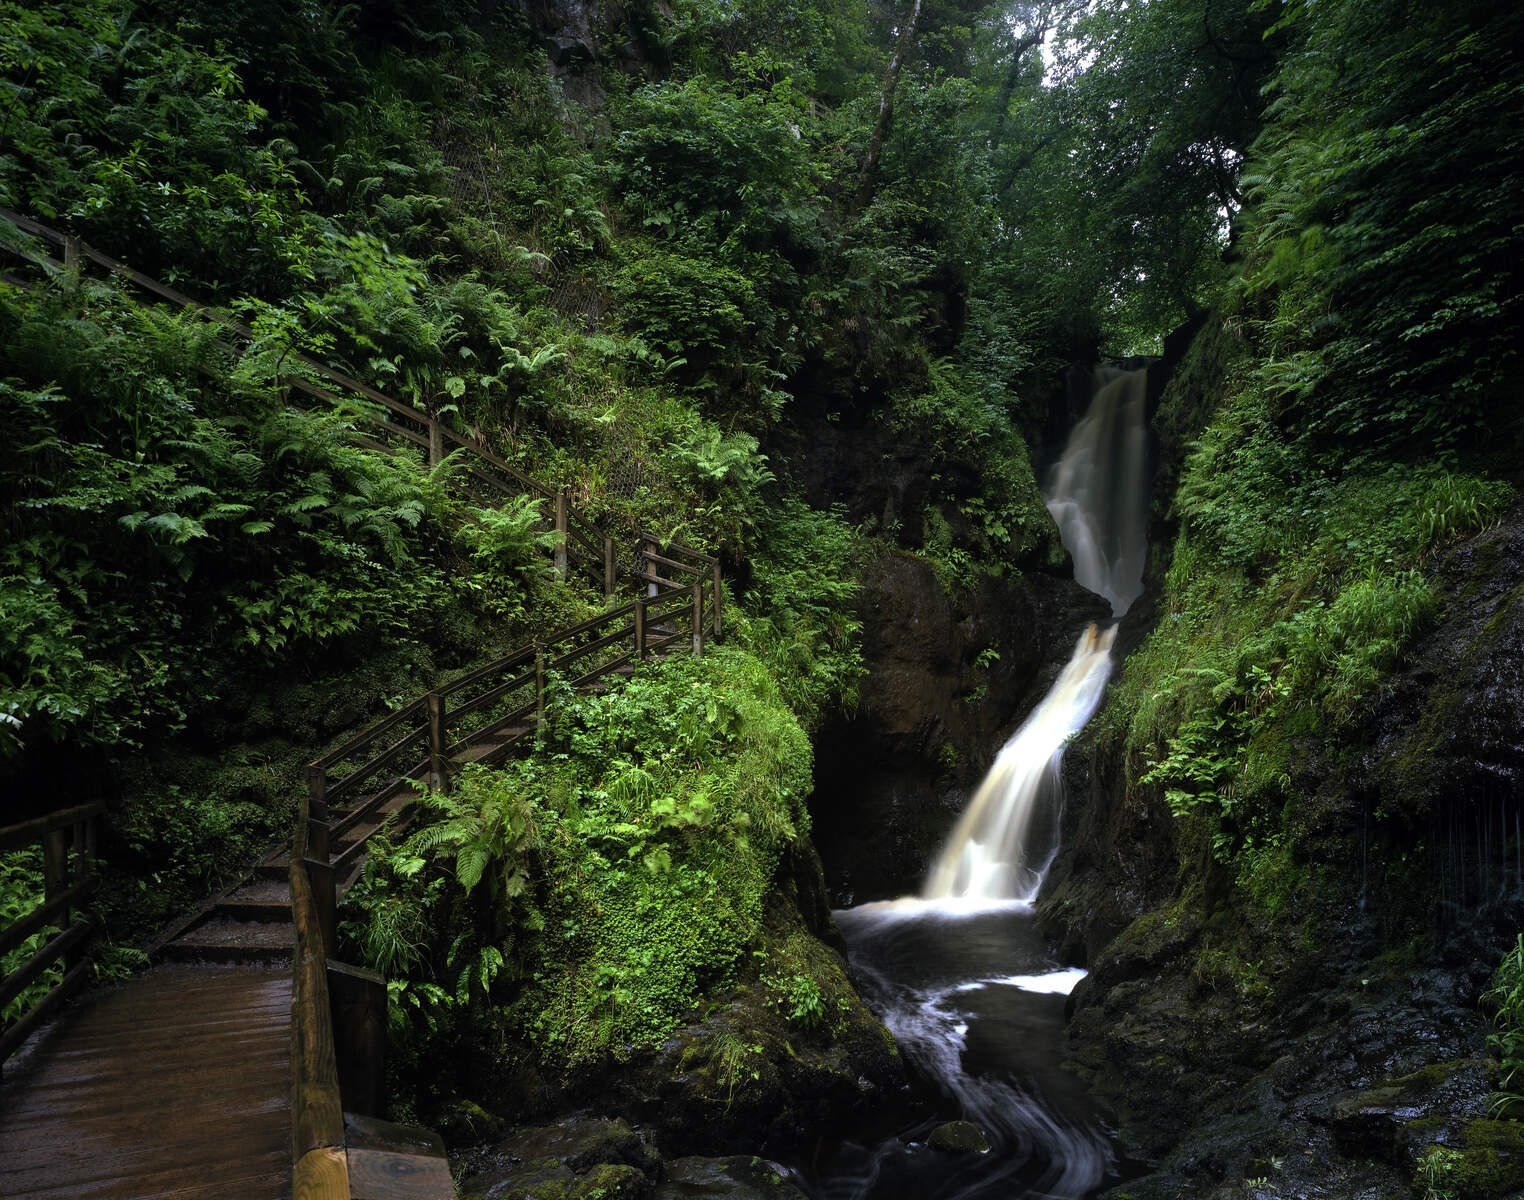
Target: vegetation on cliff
[[627, 254]]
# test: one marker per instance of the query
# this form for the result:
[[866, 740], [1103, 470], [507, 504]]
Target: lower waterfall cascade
[[959, 974]]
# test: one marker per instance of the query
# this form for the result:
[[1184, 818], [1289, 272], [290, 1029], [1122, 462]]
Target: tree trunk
[[885, 109]]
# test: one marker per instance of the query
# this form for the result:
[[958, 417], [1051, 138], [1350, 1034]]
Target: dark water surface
[[975, 1000]]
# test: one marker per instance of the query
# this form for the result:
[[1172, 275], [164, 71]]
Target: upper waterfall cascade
[[1006, 838], [1098, 490]]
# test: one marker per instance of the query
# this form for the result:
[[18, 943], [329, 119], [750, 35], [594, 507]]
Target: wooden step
[[264, 911], [220, 940]]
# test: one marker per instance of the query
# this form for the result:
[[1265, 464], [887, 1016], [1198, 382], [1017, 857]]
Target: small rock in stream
[[959, 1137]]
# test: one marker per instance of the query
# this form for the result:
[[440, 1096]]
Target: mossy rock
[[958, 1137], [739, 1177], [1487, 1164]]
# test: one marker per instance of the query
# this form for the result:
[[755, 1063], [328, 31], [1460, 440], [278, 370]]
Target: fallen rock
[[958, 1137], [740, 1177]]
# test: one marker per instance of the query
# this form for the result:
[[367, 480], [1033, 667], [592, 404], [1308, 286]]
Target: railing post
[[317, 793], [539, 687], [71, 263], [436, 442], [647, 553], [357, 1001], [55, 869], [719, 634], [609, 568], [698, 620], [439, 775], [84, 852], [324, 898], [640, 627], [319, 869], [561, 522]]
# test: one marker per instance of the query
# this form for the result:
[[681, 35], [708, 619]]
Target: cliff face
[[1316, 1023], [950, 676]]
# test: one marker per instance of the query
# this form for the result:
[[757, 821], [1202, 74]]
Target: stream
[[959, 974], [976, 1002]]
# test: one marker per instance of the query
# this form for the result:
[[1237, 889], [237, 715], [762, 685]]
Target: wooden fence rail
[[395, 426], [476, 718], [67, 839]]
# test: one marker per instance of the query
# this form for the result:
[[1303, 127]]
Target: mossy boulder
[[580, 1158], [742, 1177], [958, 1137]]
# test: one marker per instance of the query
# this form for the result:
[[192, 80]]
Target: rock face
[[592, 1158], [950, 677], [579, 37], [1331, 1049]]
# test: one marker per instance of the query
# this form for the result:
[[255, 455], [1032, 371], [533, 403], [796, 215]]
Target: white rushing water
[[1098, 491], [959, 974], [1006, 838], [927, 970]]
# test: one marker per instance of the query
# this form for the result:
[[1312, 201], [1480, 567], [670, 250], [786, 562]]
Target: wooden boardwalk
[[176, 1084]]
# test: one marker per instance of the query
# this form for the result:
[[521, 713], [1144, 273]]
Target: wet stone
[[581, 1143], [740, 1177], [583, 1158], [958, 1137]]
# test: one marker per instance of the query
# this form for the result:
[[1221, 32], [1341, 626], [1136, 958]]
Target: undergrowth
[[588, 897]]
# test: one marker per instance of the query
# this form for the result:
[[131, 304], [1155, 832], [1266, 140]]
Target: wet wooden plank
[[387, 1175], [176, 1084]]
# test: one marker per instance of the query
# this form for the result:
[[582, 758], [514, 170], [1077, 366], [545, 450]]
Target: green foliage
[[20, 892], [508, 546], [798, 997], [1382, 277], [1294, 590], [1505, 996], [619, 872], [800, 611], [963, 427]]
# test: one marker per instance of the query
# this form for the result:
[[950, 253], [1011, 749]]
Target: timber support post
[[610, 569], [561, 525], [436, 442], [439, 774], [698, 620], [317, 793], [71, 263], [719, 635], [357, 1000], [640, 627], [539, 686]]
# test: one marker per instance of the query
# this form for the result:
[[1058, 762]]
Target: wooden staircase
[[253, 969]]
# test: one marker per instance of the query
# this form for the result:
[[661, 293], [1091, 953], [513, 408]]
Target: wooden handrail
[[319, 1167], [596, 558], [64, 836]]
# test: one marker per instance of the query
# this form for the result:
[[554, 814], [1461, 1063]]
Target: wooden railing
[[336, 1067], [68, 870], [479, 716], [394, 426]]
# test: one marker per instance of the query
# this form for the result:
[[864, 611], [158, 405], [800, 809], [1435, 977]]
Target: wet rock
[[579, 1143], [958, 1137], [464, 1122], [1395, 1120], [581, 1158], [950, 677], [741, 1177]]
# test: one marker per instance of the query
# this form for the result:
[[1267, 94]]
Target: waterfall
[[1006, 838], [960, 974], [1001, 846], [1098, 490]]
